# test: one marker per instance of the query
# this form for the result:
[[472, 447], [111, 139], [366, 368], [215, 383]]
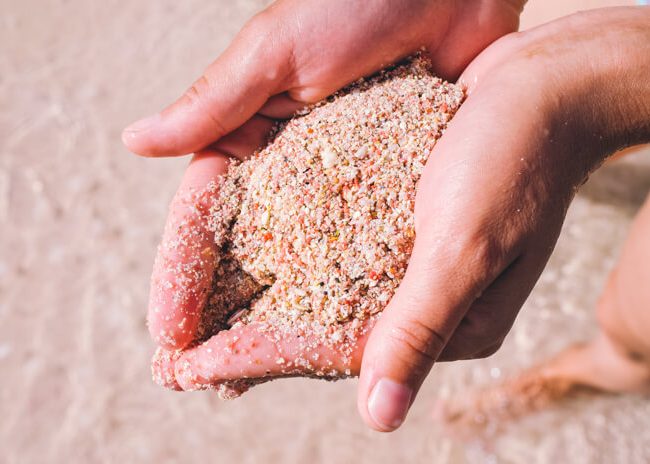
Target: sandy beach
[[80, 219]]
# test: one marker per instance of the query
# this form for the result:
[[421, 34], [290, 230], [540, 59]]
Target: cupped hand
[[293, 53], [544, 108], [299, 51], [490, 203], [240, 354]]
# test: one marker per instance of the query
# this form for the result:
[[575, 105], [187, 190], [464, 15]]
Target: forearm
[[610, 97], [629, 88]]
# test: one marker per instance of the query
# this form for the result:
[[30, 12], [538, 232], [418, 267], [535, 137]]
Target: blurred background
[[80, 218]]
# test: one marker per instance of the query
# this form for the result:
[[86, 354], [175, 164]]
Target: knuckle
[[422, 342], [477, 257], [265, 39], [476, 337], [259, 33], [455, 351], [258, 23], [197, 96], [483, 252], [483, 244], [481, 258], [487, 352], [198, 90]]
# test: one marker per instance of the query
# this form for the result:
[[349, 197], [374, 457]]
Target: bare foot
[[488, 410], [597, 366]]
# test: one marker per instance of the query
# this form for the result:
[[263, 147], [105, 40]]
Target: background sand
[[79, 222]]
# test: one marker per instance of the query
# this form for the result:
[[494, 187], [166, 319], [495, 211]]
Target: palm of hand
[[186, 305], [338, 212]]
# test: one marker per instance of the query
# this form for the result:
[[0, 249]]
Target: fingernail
[[162, 368], [143, 124], [388, 403], [184, 375]]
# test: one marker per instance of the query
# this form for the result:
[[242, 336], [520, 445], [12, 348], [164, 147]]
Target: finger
[[163, 373], [457, 48], [242, 142], [186, 256], [162, 368], [439, 288], [281, 107], [254, 352], [460, 249], [413, 330], [492, 315], [271, 56], [231, 90]]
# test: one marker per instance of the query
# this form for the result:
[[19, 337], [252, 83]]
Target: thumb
[[411, 333], [232, 89]]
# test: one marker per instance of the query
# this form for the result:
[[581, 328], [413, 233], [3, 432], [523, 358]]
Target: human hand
[[276, 65], [300, 51], [544, 108], [526, 138], [530, 195], [226, 355]]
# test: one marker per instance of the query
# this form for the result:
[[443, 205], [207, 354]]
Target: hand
[[300, 51], [275, 65], [526, 138], [245, 354], [544, 109], [511, 161]]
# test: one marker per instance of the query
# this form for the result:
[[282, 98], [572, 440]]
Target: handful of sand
[[314, 232]]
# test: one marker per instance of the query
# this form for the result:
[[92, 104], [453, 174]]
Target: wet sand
[[79, 222]]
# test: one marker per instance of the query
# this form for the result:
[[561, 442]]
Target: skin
[[494, 193], [617, 360]]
